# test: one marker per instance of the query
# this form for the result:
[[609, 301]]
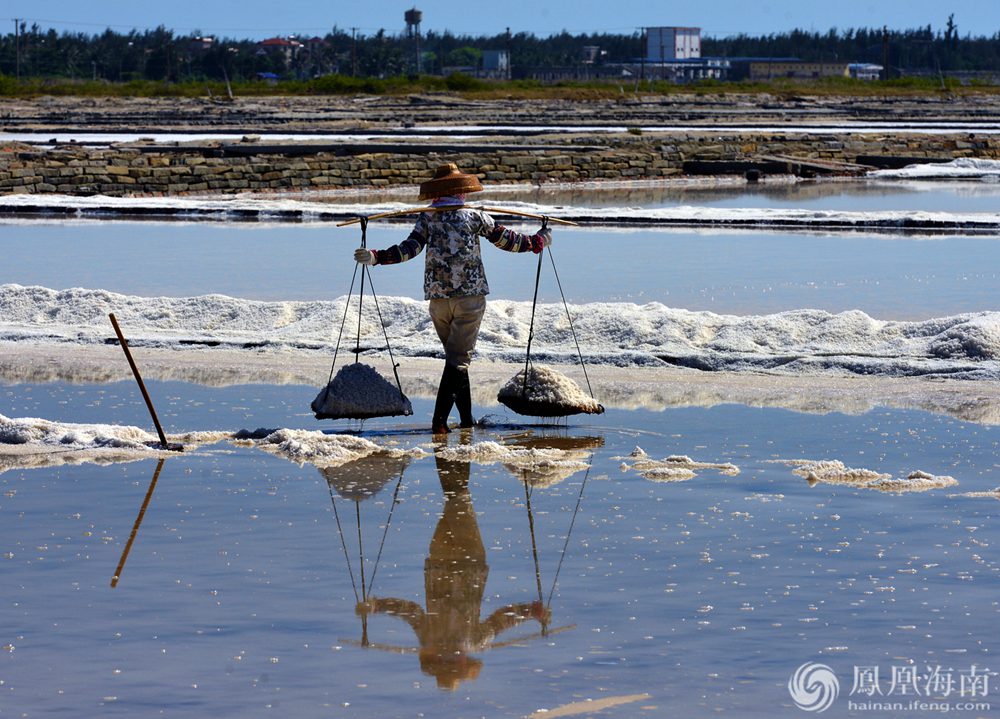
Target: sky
[[717, 18]]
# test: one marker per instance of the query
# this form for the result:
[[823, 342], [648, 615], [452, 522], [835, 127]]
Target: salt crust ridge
[[798, 342], [289, 209], [962, 167], [28, 443]]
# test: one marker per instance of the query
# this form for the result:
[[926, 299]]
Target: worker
[[454, 278]]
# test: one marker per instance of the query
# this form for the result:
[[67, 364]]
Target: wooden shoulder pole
[[494, 210]]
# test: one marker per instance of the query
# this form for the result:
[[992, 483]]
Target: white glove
[[545, 236], [364, 256]]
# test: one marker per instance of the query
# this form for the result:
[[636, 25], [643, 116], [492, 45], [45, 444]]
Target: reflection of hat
[[449, 668], [449, 180]]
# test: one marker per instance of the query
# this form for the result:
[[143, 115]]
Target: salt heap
[[548, 393], [360, 392]]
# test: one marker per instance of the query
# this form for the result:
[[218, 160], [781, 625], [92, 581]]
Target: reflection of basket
[[360, 392], [365, 477], [546, 393]]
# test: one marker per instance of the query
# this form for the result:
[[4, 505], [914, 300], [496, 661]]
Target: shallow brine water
[[638, 563], [484, 587], [887, 276]]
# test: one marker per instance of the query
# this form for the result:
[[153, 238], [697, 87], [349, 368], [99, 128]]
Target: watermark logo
[[814, 687], [905, 688]]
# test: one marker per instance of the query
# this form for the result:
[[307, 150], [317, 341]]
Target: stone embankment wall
[[124, 171]]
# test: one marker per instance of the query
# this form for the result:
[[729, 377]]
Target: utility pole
[[885, 52], [17, 46], [509, 58], [354, 52], [642, 55]]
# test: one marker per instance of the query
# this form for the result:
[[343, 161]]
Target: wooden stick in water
[[142, 387], [138, 521]]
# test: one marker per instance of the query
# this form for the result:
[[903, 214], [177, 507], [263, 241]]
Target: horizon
[[727, 18]]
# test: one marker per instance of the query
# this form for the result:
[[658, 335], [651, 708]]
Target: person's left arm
[[511, 241], [510, 616]]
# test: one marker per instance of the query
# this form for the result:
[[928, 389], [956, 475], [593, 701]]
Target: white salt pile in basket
[[358, 391], [548, 393]]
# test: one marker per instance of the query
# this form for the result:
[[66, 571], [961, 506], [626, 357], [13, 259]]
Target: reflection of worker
[[455, 573], [454, 278]]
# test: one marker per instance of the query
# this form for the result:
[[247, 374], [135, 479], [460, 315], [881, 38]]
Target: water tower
[[413, 18]]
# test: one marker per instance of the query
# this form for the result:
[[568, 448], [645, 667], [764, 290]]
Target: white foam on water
[[797, 342], [836, 472], [539, 466], [318, 448], [675, 468], [991, 494]]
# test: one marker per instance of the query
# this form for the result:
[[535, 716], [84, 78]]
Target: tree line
[[162, 55]]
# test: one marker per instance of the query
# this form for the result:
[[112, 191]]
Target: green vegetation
[[474, 88], [342, 62]]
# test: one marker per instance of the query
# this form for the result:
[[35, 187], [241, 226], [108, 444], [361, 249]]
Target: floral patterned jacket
[[453, 266]]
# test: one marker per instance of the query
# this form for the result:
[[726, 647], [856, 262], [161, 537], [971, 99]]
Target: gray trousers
[[457, 321]]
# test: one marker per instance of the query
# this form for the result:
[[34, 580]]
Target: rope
[[361, 551], [568, 533], [392, 508], [534, 545], [572, 329], [534, 303], [365, 273], [365, 586], [343, 543], [361, 295], [343, 323], [385, 333]]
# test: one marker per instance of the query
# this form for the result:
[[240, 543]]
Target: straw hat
[[449, 180]]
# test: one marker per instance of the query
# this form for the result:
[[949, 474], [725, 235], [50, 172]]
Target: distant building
[[739, 67], [590, 54], [766, 69], [285, 47], [679, 71], [865, 71], [496, 64], [198, 45], [672, 43]]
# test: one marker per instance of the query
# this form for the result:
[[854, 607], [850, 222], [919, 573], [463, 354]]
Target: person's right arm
[[405, 250]]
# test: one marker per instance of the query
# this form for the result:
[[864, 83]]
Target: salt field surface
[[461, 131], [797, 466]]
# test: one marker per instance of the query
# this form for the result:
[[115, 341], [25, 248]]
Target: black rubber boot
[[463, 398], [445, 400]]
